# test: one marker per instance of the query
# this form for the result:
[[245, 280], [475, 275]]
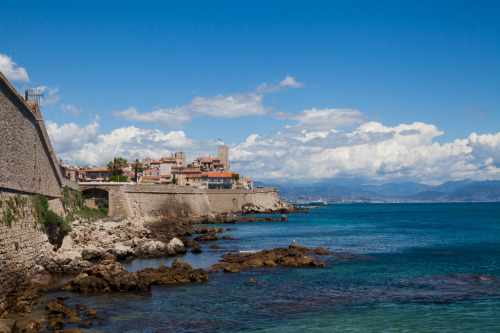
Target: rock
[[7, 325], [232, 268], [154, 249], [196, 249], [178, 272], [90, 313], [229, 229], [284, 218], [176, 246], [55, 323], [85, 324], [111, 276], [121, 251], [74, 320], [32, 326], [67, 244], [208, 237], [215, 246], [92, 253], [108, 276], [252, 280], [55, 308], [292, 257]]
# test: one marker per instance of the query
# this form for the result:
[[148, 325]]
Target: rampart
[[128, 200], [28, 166]]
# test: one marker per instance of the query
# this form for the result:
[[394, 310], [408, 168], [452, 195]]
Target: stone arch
[[92, 193]]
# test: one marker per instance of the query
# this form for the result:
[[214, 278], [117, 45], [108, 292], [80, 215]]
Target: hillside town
[[203, 172]]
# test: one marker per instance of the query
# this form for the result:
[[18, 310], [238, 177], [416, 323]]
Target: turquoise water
[[403, 268]]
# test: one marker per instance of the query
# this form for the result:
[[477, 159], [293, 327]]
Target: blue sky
[[369, 91]]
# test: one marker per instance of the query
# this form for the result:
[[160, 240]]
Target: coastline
[[112, 241]]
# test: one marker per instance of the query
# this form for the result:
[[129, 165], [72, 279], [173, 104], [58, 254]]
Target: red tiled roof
[[101, 168], [219, 175]]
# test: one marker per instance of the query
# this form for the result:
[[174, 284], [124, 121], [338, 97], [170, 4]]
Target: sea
[[394, 268]]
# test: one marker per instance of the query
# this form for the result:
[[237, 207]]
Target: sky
[[301, 91]]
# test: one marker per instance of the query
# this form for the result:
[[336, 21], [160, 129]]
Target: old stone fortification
[[126, 200], [28, 166]]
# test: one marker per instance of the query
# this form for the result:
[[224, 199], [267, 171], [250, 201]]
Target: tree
[[137, 167], [117, 165]]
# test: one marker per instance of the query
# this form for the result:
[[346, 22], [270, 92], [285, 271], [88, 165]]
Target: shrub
[[117, 178]]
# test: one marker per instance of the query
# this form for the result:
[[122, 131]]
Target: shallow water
[[414, 268]]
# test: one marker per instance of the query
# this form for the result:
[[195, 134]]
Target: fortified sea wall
[[128, 200], [28, 166]]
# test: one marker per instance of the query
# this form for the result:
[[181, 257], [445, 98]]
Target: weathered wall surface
[[20, 243], [27, 159], [232, 200], [28, 166], [147, 200]]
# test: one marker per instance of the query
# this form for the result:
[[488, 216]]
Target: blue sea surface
[[395, 268]]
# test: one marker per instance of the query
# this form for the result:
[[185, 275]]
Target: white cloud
[[11, 71], [370, 151], [287, 82], [328, 119], [232, 106], [77, 145], [176, 117], [70, 108]]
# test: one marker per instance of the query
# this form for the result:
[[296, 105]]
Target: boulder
[[196, 249], [178, 272], [154, 249], [208, 237], [176, 246], [121, 251], [284, 218]]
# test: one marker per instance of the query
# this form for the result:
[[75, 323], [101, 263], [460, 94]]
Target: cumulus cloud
[[11, 71], [328, 119], [77, 145], [370, 151], [232, 106]]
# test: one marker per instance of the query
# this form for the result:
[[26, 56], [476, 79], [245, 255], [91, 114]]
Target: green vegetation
[[235, 176], [74, 205], [117, 178], [15, 210], [47, 217], [16, 244], [117, 165]]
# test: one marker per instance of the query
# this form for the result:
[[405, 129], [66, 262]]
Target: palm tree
[[137, 167], [117, 165]]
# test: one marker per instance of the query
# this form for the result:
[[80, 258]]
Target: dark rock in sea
[[178, 272], [253, 281], [90, 313], [229, 229], [111, 276], [56, 323], [56, 308], [85, 324], [267, 219], [7, 325], [75, 320], [196, 249], [291, 257], [284, 218], [32, 326], [215, 246], [108, 276], [204, 230], [208, 237]]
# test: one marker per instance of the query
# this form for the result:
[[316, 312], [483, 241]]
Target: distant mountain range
[[456, 191]]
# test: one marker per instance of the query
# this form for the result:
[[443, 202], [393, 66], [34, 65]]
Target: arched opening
[[96, 198]]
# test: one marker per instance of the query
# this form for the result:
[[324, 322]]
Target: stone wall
[[20, 244], [28, 166], [127, 200], [27, 160]]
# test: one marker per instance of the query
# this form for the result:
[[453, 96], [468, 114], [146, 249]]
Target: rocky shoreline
[[90, 254]]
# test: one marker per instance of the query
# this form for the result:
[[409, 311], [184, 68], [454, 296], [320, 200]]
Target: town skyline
[[373, 94]]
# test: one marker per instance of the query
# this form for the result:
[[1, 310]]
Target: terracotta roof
[[219, 175], [193, 176]]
